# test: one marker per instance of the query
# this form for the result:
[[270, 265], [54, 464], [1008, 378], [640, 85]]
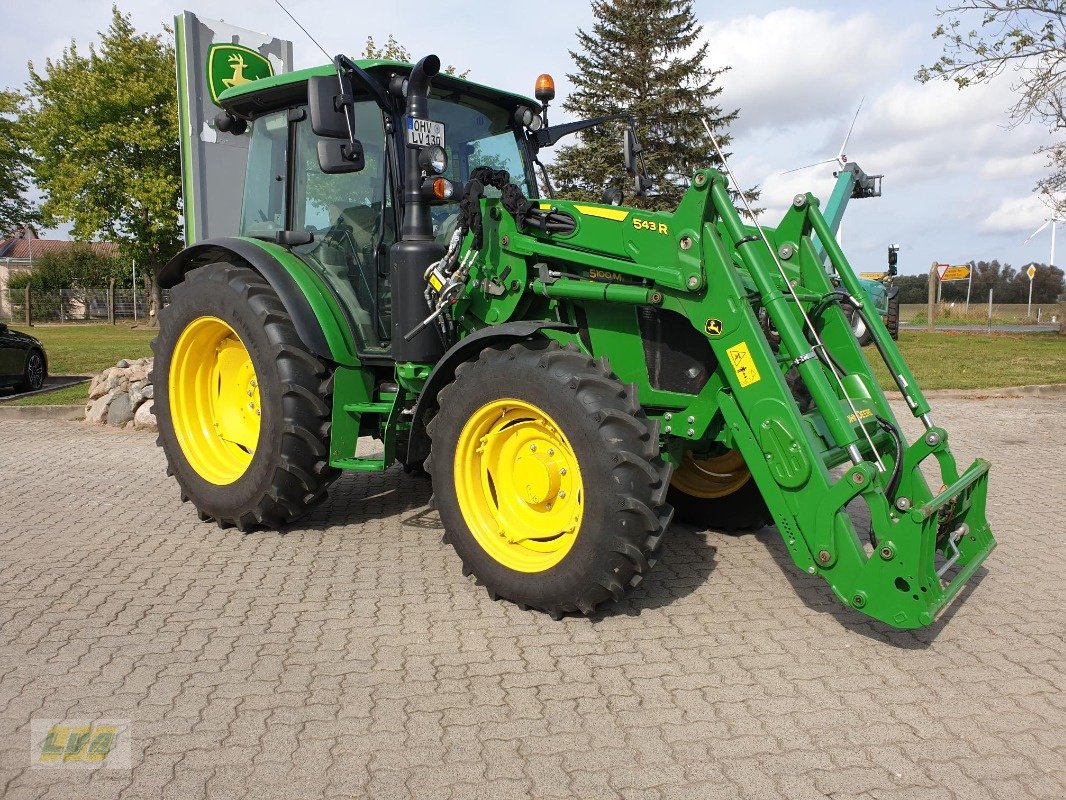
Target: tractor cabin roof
[[290, 88]]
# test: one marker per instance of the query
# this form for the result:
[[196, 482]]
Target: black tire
[[616, 447], [742, 511], [289, 472], [35, 372], [892, 319]]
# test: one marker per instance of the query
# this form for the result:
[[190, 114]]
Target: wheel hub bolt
[[562, 471], [533, 448], [562, 493], [551, 452], [251, 406]]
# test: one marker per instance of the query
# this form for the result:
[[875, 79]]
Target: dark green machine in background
[[567, 373]]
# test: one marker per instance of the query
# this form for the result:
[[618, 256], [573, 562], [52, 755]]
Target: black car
[[23, 363]]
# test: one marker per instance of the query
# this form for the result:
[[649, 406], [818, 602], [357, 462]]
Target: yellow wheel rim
[[711, 477], [214, 400], [519, 485]]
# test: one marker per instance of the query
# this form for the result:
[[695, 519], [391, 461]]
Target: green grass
[[88, 349], [1002, 314], [67, 396], [951, 360]]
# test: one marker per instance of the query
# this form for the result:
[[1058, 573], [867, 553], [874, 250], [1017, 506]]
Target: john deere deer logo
[[230, 65]]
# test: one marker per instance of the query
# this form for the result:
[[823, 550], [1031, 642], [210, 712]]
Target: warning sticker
[[743, 365]]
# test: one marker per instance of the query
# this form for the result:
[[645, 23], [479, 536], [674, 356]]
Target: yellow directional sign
[[872, 276], [959, 273]]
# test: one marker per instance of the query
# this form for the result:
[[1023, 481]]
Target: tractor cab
[[342, 218]]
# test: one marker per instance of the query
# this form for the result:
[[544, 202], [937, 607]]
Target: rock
[[119, 412], [98, 388], [138, 374], [148, 392], [97, 412], [136, 394], [123, 364], [144, 419]]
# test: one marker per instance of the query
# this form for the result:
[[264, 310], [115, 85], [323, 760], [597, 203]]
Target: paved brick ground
[[349, 657]]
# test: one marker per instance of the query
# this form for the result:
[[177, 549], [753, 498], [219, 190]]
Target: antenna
[[306, 33]]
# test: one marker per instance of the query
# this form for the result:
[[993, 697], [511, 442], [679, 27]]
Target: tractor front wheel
[[547, 477], [243, 408]]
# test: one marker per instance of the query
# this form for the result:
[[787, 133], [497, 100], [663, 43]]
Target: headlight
[[433, 159], [528, 118]]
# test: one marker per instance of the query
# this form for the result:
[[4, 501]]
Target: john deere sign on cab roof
[[230, 65]]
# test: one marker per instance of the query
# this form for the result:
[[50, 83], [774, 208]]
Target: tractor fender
[[444, 373], [310, 322]]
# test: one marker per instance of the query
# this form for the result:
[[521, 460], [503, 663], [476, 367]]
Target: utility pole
[[931, 315]]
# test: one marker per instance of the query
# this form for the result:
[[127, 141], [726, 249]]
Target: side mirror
[[336, 157], [630, 150], [329, 102], [327, 115], [611, 196]]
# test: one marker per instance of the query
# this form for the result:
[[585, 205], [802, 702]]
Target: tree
[[1027, 38], [15, 163], [642, 58], [392, 50], [103, 128]]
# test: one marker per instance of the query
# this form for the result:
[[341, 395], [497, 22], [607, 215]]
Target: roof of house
[[26, 248]]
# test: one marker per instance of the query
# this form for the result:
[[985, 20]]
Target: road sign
[[1031, 272], [872, 276], [956, 273]]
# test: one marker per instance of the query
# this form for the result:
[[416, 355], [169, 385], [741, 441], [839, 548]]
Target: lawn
[[942, 360], [88, 349], [948, 360], [67, 396]]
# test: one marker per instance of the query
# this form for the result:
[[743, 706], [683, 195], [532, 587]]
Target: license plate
[[424, 132]]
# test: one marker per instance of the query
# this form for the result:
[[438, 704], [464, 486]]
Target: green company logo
[[230, 65]]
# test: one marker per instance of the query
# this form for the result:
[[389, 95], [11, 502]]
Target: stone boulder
[[118, 394]]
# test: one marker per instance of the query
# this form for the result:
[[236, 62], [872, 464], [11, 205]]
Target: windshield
[[477, 134]]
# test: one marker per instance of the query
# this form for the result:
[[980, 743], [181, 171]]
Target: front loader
[[567, 373]]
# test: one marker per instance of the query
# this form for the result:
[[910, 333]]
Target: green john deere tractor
[[567, 373]]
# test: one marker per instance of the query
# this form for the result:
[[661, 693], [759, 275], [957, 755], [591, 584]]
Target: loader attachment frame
[[923, 545]]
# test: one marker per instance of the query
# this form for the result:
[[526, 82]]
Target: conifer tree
[[642, 57]]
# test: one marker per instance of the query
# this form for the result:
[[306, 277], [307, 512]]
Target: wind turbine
[[1053, 223], [840, 160]]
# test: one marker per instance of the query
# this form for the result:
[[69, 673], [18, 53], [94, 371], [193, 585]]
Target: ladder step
[[360, 464]]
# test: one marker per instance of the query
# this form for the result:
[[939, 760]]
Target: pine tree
[[639, 59]]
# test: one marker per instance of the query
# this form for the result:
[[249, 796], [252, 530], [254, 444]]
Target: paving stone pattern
[[349, 657]]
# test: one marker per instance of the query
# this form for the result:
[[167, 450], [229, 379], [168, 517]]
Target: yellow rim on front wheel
[[711, 477], [214, 400], [519, 485]]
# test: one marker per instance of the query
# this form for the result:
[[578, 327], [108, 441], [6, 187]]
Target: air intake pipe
[[416, 248]]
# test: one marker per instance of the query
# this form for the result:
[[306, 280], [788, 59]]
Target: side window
[[265, 186], [351, 218]]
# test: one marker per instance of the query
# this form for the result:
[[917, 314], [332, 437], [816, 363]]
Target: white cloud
[[1016, 215], [794, 65]]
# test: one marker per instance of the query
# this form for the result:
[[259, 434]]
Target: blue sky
[[958, 180]]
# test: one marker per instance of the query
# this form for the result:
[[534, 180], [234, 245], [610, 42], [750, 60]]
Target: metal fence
[[76, 305]]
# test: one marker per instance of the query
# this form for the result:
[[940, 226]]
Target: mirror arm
[[546, 137]]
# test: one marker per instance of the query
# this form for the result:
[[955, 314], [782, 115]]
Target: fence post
[[111, 301], [931, 304], [29, 323]]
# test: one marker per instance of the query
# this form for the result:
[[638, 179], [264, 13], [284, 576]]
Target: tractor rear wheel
[[243, 408], [892, 319], [547, 477], [718, 493]]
